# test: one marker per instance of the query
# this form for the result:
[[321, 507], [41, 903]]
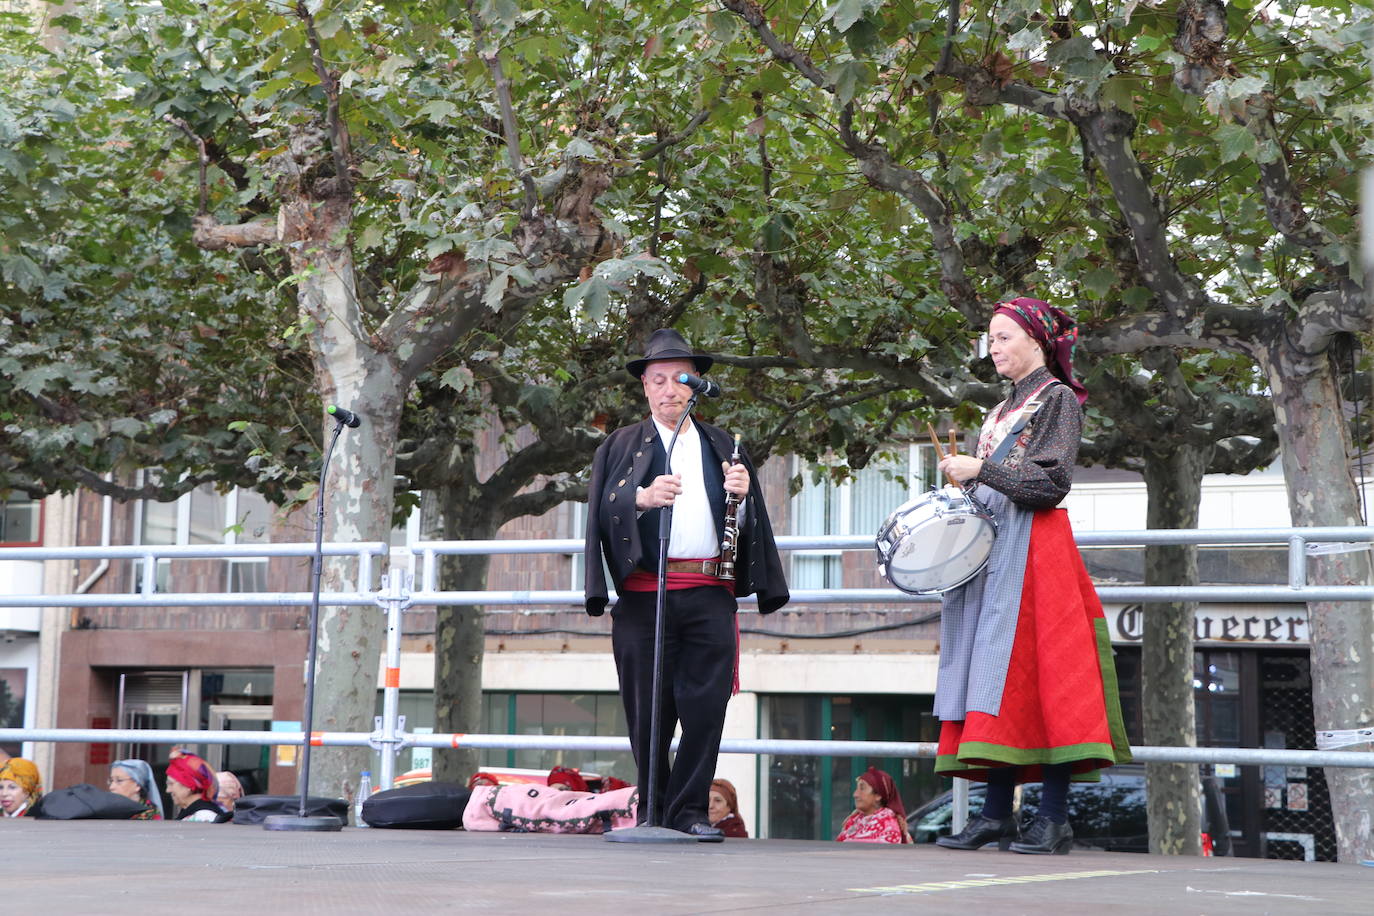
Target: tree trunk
[[1321, 492], [460, 638], [1173, 482], [359, 489]]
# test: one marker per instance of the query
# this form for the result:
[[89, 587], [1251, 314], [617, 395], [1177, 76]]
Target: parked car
[[1108, 815]]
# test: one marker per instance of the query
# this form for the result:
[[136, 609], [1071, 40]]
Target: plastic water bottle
[[364, 790]]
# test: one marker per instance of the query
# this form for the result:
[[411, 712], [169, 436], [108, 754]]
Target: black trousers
[[698, 672]]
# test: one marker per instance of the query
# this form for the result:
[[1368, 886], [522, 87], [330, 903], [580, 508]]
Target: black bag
[[83, 802], [423, 806], [254, 809]]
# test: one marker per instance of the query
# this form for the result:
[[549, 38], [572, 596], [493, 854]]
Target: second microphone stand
[[301, 820], [651, 831]]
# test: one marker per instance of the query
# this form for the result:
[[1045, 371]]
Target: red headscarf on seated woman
[[569, 777], [195, 774], [1054, 330], [726, 788], [882, 783]]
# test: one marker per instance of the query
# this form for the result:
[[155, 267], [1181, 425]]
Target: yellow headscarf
[[25, 773]]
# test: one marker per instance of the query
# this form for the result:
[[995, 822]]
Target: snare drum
[[935, 542]]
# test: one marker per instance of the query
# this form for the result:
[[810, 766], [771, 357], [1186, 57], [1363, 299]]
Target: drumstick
[[935, 441], [939, 450], [953, 448]]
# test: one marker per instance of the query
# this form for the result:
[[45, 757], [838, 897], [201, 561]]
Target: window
[[858, 506], [509, 713], [808, 797], [205, 516], [21, 522], [249, 521]]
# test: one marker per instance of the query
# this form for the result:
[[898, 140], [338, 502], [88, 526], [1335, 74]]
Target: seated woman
[[134, 779], [193, 788], [879, 815], [20, 787], [230, 790], [567, 779], [723, 809]]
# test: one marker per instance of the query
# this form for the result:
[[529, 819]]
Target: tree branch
[[203, 158], [696, 121], [491, 56], [537, 502], [329, 83]]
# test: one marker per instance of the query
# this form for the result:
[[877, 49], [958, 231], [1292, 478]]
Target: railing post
[[960, 798], [148, 585], [1297, 561], [391, 740]]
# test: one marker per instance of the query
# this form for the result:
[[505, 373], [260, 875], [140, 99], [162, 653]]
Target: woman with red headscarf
[[193, 787], [722, 810], [1027, 689], [567, 779], [879, 815]]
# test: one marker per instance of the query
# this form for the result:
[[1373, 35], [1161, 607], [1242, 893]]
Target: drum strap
[[1028, 414]]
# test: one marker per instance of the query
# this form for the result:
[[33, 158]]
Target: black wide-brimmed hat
[[665, 343]]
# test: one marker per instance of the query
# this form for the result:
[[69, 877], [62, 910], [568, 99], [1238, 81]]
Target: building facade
[[819, 672]]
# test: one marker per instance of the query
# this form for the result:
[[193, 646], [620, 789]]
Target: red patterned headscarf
[[1054, 330], [882, 783], [568, 777], [195, 774]]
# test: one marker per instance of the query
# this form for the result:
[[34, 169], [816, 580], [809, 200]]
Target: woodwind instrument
[[730, 537]]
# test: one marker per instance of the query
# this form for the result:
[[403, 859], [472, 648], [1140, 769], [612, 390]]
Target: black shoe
[[1043, 837], [705, 833], [980, 831]]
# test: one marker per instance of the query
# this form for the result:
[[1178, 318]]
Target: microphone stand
[[651, 831], [302, 821]]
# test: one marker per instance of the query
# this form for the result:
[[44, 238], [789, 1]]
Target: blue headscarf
[[143, 775]]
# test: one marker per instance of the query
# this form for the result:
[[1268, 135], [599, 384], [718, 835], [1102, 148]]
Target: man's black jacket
[[631, 457]]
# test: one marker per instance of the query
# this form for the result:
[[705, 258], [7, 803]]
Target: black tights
[[1054, 792]]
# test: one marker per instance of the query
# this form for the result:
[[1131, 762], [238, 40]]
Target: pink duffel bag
[[525, 808]]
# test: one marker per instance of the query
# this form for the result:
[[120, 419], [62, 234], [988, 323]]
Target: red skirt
[[1060, 703]]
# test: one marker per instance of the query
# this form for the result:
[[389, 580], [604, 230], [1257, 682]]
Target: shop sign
[[1267, 624]]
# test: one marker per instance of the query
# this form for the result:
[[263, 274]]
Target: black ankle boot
[[1043, 837], [980, 831]]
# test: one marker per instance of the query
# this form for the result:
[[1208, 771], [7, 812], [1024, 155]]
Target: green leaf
[[579, 148], [1235, 141], [844, 13], [20, 270], [36, 379], [129, 427], [1099, 282], [392, 66], [1119, 92], [848, 78], [437, 111]]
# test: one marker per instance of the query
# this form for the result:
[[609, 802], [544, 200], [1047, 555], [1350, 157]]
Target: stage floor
[[61, 867]]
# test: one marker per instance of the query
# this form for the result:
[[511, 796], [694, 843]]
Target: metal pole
[[302, 821], [651, 831], [396, 584]]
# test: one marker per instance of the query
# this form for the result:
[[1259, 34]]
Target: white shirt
[[694, 527]]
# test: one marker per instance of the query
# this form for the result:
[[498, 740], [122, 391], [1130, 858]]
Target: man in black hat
[[631, 483]]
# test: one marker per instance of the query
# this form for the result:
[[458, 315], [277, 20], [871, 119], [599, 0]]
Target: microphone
[[700, 385], [346, 417]]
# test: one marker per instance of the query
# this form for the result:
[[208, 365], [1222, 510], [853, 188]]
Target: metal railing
[[396, 595]]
